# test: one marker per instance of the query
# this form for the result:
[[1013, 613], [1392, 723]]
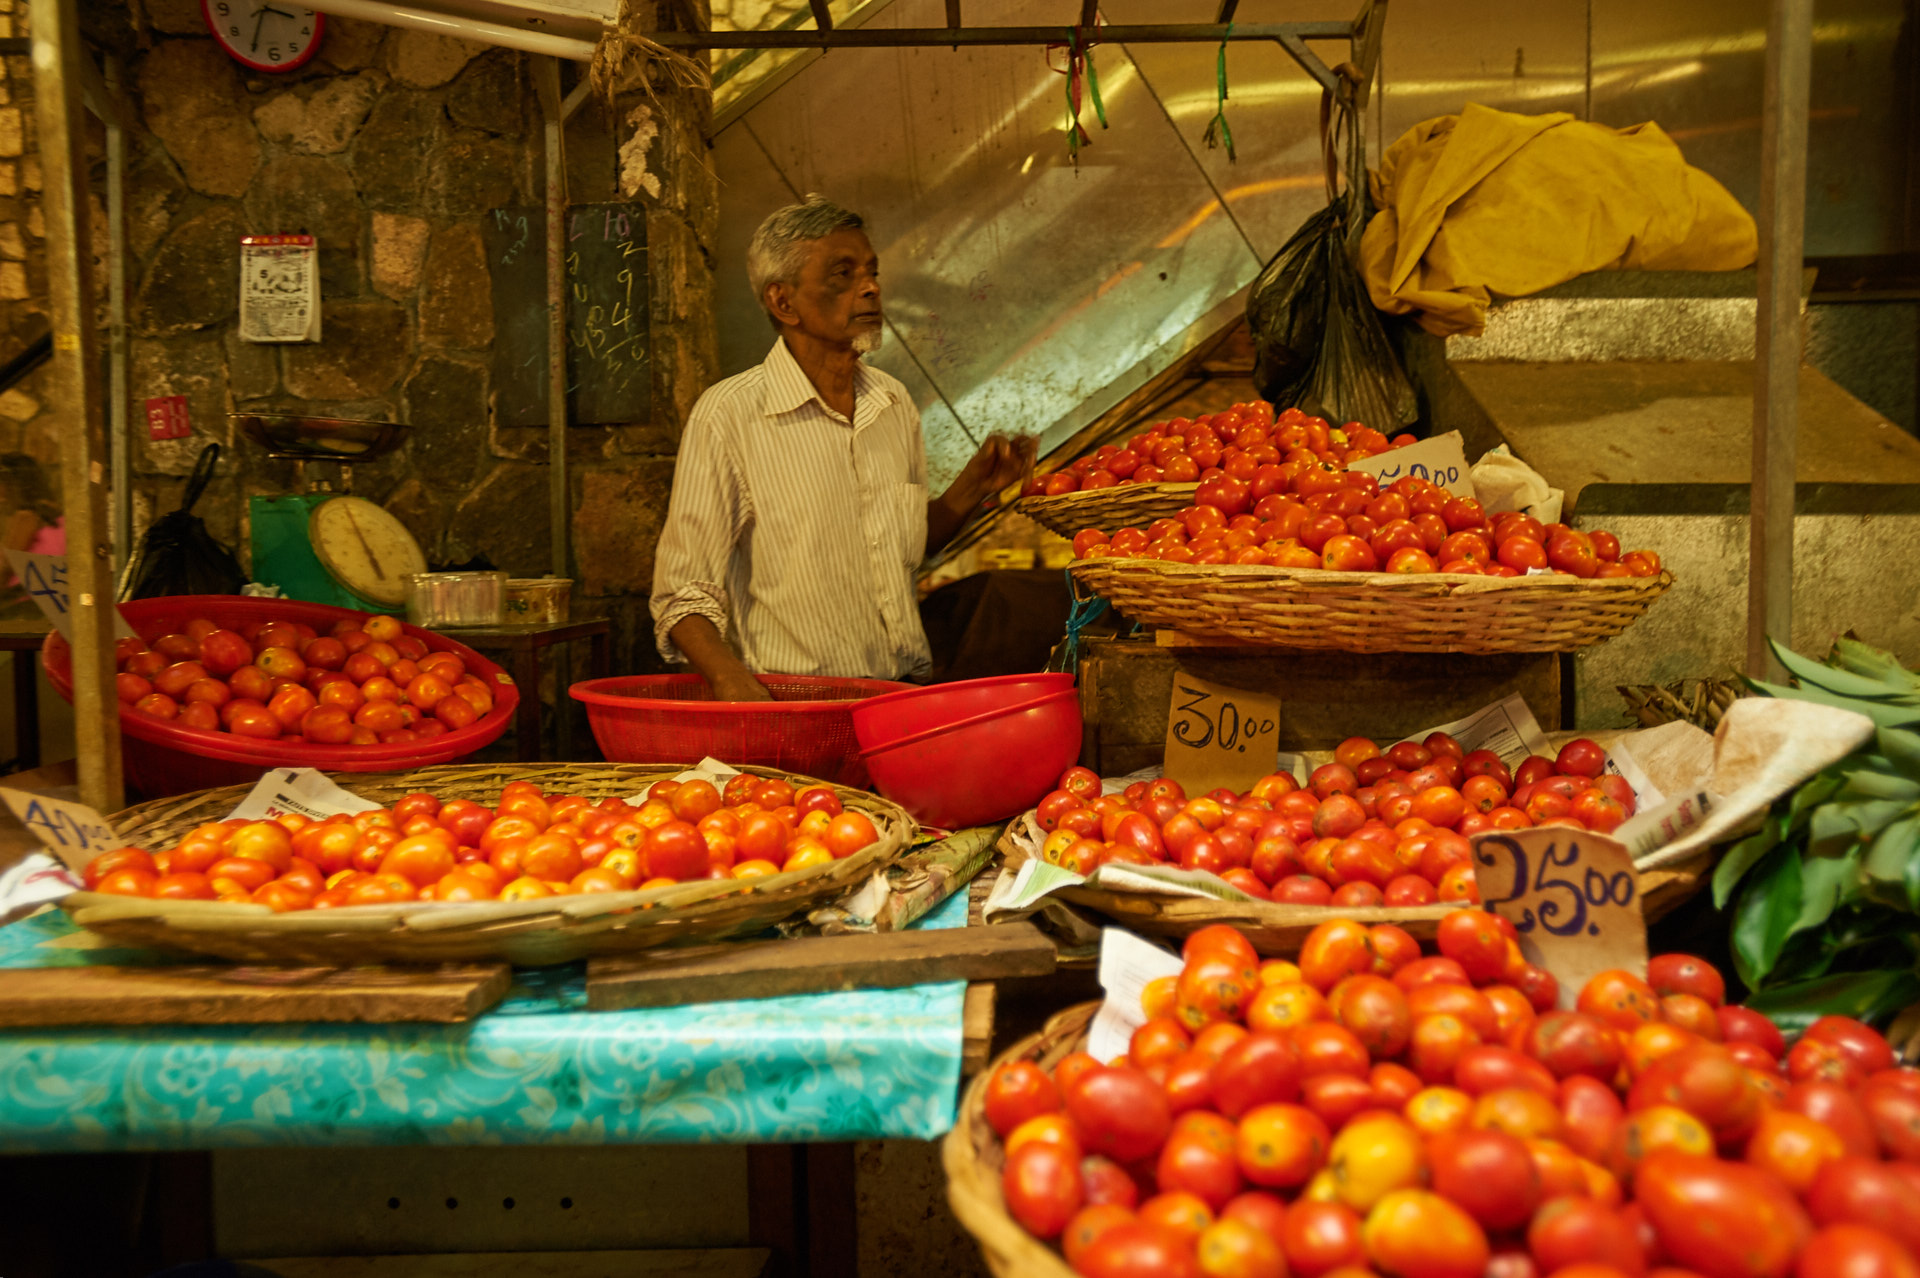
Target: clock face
[[267, 35]]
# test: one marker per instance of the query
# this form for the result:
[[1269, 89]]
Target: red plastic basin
[[903, 714], [163, 759], [807, 728], [982, 769]]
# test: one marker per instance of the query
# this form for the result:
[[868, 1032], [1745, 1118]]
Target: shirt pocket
[[913, 523]]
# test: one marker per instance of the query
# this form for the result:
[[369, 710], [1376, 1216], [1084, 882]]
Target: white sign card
[[73, 832], [303, 791], [44, 578], [1443, 459]]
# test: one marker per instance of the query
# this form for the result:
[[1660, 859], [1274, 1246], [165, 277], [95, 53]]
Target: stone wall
[[389, 147]]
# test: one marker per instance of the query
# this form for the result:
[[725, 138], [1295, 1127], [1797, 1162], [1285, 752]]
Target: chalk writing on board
[[609, 373]]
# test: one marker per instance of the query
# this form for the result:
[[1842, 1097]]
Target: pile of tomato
[[1301, 515], [530, 845], [1237, 443], [365, 682], [1371, 828], [1368, 1111]]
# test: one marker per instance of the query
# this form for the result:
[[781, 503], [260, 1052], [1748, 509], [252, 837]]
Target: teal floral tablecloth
[[539, 1069]]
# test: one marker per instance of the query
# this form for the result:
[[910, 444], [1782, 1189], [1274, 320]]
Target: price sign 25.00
[[1219, 736], [1573, 897]]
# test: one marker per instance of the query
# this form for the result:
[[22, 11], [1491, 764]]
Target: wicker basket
[[1372, 611], [973, 1158], [527, 933], [1108, 509]]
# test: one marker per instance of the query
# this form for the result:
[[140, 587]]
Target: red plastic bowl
[[807, 728], [904, 714], [164, 759], [982, 769]]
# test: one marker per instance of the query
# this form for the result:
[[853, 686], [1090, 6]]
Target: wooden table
[[520, 648], [23, 637]]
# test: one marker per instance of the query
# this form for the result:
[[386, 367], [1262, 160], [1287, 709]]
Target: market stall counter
[[538, 1069]]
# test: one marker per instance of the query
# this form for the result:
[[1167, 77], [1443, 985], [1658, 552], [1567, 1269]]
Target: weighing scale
[[325, 547]]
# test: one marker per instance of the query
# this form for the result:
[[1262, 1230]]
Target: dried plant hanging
[[1218, 131], [1078, 66], [627, 59]]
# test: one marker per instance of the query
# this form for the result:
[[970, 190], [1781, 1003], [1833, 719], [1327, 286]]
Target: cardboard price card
[[1573, 897], [44, 578], [1219, 736], [1443, 459], [73, 832]]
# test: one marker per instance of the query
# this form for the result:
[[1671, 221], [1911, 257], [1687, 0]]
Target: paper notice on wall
[[1127, 964], [279, 288], [1442, 459], [300, 791]]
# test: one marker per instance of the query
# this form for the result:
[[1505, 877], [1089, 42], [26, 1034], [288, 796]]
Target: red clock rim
[[272, 68]]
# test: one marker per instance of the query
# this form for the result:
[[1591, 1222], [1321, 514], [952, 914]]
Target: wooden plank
[[976, 1027], [814, 965], [216, 995], [725, 1262]]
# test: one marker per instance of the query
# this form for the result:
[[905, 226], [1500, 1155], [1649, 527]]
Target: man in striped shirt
[[800, 508]]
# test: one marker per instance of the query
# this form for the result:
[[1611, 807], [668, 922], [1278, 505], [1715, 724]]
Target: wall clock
[[266, 35]]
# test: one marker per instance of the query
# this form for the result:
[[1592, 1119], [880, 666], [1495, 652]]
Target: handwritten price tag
[[1571, 895], [44, 578], [1219, 736], [73, 832], [1443, 459]]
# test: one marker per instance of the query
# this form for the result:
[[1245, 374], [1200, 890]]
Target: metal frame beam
[[554, 112], [1777, 344]]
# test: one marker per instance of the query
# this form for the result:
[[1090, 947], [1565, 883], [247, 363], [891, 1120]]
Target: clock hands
[[260, 17]]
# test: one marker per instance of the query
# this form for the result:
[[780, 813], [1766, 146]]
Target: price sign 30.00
[[1219, 736]]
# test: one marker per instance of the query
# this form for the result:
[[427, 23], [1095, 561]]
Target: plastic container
[[807, 728], [903, 714], [538, 601], [982, 769], [164, 759], [456, 598]]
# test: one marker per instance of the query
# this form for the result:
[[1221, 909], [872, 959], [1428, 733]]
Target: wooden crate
[[1325, 697]]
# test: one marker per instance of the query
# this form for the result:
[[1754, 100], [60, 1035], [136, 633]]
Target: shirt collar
[[788, 387]]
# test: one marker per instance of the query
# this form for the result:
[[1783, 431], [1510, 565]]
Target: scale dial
[[365, 549], [266, 35]]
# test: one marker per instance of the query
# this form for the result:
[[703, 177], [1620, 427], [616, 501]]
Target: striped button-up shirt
[[795, 531]]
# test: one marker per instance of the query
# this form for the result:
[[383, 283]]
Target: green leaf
[[1878, 785], [1866, 996], [1765, 916], [1824, 882], [1843, 682], [1885, 714], [1838, 823], [1813, 792], [1891, 856], [1902, 750], [1865, 659], [1740, 858]]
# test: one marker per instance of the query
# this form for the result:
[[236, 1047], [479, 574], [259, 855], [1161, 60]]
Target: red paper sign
[[167, 417]]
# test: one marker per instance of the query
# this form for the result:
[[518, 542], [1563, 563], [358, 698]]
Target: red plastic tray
[[163, 759]]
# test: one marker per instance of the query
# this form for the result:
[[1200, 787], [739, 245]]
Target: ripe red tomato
[[1576, 1043], [849, 833], [1866, 1191], [1856, 1251], [1139, 1249], [1120, 1112], [676, 850], [1017, 1091], [1489, 1174], [1199, 1159], [1723, 1219], [1261, 1069], [1569, 1231], [1042, 1186]]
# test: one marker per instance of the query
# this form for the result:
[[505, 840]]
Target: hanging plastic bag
[[178, 556], [1319, 345]]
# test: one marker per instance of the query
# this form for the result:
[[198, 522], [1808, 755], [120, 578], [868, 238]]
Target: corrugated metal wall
[[1028, 295]]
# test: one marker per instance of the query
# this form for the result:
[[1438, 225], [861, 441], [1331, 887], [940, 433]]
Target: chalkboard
[[609, 343]]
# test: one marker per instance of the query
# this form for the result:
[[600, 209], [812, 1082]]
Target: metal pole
[[119, 434], [75, 393], [1776, 372], [546, 72]]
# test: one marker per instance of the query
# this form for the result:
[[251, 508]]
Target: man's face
[[837, 297]]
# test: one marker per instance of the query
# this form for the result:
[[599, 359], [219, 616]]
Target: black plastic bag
[[178, 556], [1319, 345]]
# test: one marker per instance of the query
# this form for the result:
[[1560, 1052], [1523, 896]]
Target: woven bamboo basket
[[527, 933], [973, 1158], [1372, 611], [1108, 509]]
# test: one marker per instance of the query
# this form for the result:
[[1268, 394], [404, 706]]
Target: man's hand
[[1001, 461], [729, 678]]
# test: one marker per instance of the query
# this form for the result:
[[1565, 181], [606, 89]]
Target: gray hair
[[779, 247]]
